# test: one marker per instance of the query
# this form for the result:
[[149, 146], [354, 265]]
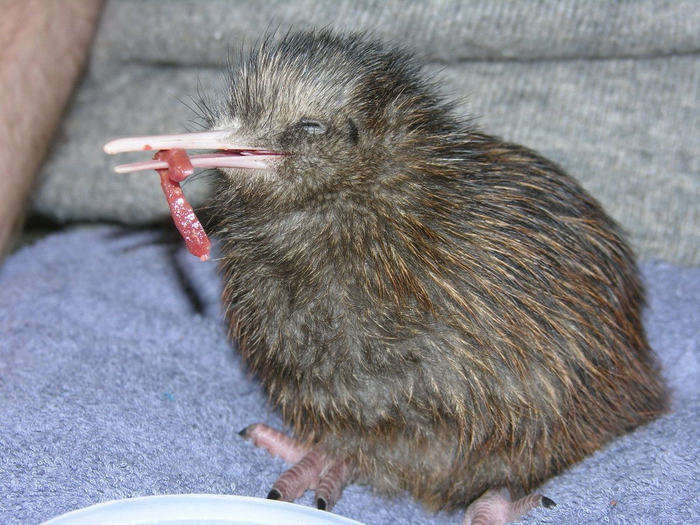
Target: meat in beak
[[228, 154], [174, 164]]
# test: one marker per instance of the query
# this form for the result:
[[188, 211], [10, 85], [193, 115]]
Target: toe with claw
[[311, 470], [495, 507]]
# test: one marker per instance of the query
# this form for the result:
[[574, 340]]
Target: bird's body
[[442, 310], [444, 349]]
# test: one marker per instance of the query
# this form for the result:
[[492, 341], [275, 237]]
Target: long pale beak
[[229, 155]]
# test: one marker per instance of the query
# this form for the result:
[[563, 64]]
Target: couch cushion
[[610, 91]]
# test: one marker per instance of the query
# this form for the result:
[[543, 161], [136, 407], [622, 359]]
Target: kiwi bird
[[431, 308]]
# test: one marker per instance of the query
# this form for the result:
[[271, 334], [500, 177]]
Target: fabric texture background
[[116, 378], [610, 90], [116, 381]]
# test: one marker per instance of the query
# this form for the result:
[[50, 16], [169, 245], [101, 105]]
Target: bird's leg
[[311, 470], [495, 507]]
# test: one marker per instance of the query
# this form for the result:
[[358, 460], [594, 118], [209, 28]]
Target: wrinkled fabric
[[117, 380]]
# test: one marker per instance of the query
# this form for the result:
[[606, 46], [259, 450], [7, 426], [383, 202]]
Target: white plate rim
[[198, 508]]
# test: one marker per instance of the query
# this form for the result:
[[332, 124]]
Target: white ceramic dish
[[198, 509]]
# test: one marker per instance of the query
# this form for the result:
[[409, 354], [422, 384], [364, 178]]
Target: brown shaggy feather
[[446, 311]]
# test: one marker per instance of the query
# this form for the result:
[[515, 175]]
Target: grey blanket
[[116, 381]]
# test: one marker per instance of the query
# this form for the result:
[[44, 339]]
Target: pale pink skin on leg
[[275, 442], [304, 475], [310, 471], [495, 507], [331, 485]]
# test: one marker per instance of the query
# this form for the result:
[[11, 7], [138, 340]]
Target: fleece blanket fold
[[117, 380]]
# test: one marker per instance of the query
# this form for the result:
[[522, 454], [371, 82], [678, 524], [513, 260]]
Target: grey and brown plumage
[[443, 311]]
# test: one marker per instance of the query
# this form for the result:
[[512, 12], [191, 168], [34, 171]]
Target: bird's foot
[[495, 507], [311, 470]]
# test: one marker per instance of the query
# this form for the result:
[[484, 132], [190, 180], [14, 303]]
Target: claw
[[495, 507], [303, 476], [331, 485], [547, 503], [311, 470]]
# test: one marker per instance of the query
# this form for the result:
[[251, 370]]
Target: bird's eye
[[312, 127]]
